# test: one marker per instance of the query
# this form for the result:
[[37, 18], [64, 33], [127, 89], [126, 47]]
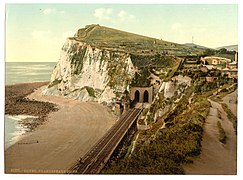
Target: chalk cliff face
[[171, 87], [88, 73]]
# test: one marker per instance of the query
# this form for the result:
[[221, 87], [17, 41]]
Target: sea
[[23, 72]]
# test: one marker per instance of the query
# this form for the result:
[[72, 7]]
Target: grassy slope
[[100, 34], [131, 43], [229, 48], [171, 147]]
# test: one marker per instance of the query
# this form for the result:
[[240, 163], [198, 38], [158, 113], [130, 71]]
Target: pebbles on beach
[[16, 103]]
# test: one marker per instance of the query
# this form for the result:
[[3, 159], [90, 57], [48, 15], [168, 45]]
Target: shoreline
[[66, 135], [18, 103], [14, 128]]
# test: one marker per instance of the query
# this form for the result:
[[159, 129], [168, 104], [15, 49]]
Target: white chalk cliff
[[88, 73], [171, 87]]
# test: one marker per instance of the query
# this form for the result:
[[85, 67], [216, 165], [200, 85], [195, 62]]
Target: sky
[[36, 32]]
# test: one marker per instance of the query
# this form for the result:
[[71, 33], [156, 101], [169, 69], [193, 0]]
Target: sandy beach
[[217, 158], [66, 135]]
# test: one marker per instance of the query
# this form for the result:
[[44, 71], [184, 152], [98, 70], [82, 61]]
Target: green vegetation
[[172, 146], [225, 54], [143, 114], [219, 114], [208, 52], [141, 79], [219, 53], [121, 41], [173, 70], [117, 70], [77, 60], [222, 134], [149, 65], [159, 103], [230, 116], [216, 98], [181, 106], [99, 33], [225, 90], [202, 86], [90, 90], [156, 60]]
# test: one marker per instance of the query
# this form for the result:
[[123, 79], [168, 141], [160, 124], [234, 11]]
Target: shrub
[[90, 90], [222, 134], [219, 114], [230, 116]]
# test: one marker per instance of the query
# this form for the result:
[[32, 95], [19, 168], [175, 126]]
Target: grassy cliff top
[[117, 40], [99, 33]]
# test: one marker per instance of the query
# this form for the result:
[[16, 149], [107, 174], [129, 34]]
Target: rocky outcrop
[[167, 99], [174, 85], [88, 73]]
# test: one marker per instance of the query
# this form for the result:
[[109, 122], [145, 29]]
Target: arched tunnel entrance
[[137, 94], [146, 96], [141, 95]]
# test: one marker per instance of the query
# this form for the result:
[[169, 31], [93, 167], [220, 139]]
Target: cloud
[[52, 11], [123, 15], [176, 26], [103, 13], [107, 14]]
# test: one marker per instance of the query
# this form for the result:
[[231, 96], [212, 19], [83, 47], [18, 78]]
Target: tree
[[223, 51], [208, 52]]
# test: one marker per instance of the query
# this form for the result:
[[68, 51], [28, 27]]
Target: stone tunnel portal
[[141, 94]]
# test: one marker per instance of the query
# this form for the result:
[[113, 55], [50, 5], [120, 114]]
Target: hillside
[[116, 40], [195, 45], [229, 48]]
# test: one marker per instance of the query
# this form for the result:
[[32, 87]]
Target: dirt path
[[67, 135], [215, 157]]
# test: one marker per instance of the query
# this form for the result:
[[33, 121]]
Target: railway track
[[96, 158]]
